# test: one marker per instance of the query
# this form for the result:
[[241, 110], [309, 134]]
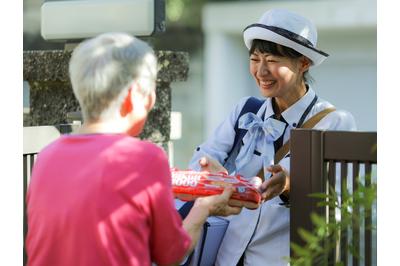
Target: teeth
[[267, 82]]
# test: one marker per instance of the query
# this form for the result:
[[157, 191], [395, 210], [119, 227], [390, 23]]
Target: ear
[[305, 63], [127, 104], [150, 100]]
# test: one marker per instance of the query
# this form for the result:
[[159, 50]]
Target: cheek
[[285, 74], [253, 70]]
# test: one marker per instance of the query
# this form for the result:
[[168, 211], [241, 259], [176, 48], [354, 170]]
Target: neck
[[282, 103], [101, 127]]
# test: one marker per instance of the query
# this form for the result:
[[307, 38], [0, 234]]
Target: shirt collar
[[293, 114]]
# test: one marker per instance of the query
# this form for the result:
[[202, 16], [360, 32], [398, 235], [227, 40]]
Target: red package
[[188, 185]]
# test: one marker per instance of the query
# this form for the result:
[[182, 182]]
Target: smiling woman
[[279, 72], [251, 141]]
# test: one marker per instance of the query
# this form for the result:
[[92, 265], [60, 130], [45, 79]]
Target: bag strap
[[185, 209], [206, 225], [310, 123], [252, 105], [183, 212]]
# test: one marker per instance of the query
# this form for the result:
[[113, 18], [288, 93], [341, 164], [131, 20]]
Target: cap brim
[[251, 33]]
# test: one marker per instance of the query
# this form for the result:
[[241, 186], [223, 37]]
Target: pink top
[[103, 199]]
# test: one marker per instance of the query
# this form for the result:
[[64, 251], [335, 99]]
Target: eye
[[273, 58], [254, 59]]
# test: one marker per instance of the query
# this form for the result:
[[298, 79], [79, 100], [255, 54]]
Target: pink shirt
[[103, 199]]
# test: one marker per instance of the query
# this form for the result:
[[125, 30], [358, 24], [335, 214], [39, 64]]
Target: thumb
[[228, 191]]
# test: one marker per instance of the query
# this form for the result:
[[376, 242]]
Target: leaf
[[318, 220], [308, 236], [318, 195], [300, 251]]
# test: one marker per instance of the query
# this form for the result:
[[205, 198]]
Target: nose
[[262, 69]]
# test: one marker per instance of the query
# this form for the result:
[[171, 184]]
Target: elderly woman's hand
[[210, 165], [278, 183], [218, 204]]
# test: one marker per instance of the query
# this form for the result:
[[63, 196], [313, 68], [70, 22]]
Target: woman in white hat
[[282, 48]]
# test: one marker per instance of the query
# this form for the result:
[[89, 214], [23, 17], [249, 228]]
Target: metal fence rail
[[337, 159]]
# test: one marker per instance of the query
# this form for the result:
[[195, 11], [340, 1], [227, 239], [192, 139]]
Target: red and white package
[[188, 185]]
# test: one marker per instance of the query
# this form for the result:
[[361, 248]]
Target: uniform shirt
[[103, 199], [263, 233]]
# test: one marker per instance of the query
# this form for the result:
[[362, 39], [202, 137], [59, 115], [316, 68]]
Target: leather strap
[[310, 123]]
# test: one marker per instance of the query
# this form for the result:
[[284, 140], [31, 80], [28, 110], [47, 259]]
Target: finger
[[203, 161], [265, 195], [228, 191], [263, 186], [216, 166], [275, 168], [268, 194], [233, 210], [256, 181]]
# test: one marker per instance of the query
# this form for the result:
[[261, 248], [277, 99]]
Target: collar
[[293, 114]]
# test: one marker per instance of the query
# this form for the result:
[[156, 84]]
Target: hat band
[[289, 35]]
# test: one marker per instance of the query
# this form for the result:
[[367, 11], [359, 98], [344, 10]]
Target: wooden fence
[[337, 159]]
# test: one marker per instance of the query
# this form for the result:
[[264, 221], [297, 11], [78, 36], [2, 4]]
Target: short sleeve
[[168, 239]]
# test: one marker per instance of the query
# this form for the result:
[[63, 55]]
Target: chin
[[267, 93]]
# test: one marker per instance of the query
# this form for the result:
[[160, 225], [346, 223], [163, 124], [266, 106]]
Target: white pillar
[[226, 76]]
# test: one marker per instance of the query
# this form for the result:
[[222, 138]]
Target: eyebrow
[[263, 54]]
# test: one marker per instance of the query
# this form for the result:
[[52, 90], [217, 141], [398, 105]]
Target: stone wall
[[51, 96]]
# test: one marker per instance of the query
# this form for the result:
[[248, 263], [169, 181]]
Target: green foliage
[[174, 9], [323, 238]]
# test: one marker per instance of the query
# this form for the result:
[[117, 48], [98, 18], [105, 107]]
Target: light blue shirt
[[264, 231]]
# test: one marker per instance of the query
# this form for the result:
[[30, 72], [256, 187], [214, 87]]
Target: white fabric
[[270, 242], [264, 34], [258, 130]]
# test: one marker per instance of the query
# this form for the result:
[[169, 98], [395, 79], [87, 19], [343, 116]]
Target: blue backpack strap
[[183, 212], [185, 209], [252, 105]]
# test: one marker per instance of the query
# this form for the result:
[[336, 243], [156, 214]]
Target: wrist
[[202, 207]]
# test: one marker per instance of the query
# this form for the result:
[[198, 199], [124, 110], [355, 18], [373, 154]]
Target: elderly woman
[[103, 197], [282, 49]]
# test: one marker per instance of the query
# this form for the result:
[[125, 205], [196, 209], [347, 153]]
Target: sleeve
[[220, 142], [168, 239]]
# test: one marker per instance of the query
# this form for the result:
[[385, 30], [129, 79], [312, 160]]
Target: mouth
[[267, 84]]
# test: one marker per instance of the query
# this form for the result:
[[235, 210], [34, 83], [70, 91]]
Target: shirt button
[[294, 124], [198, 148]]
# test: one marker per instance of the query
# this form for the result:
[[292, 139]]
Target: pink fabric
[[103, 199]]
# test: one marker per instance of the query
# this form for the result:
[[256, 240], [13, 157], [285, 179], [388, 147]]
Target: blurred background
[[211, 31]]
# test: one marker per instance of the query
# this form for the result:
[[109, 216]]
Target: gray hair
[[102, 69]]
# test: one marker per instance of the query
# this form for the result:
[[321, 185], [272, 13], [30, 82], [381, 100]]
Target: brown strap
[[310, 123]]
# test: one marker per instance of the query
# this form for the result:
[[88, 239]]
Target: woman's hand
[[278, 183], [210, 165]]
